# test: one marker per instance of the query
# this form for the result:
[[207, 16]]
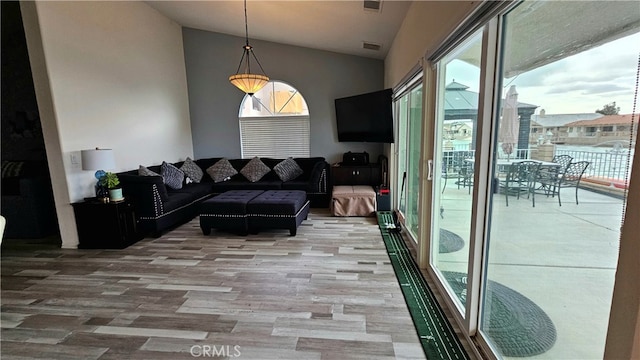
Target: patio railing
[[605, 164], [609, 165]]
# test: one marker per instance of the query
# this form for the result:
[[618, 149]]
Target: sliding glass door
[[533, 141], [455, 145], [553, 236], [409, 119], [402, 119]]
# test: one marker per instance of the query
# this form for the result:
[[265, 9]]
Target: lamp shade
[[249, 83], [98, 159]]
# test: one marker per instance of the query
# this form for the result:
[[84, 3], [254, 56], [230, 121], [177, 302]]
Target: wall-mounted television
[[365, 117]]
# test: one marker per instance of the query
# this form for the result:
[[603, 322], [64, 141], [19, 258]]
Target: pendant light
[[246, 81]]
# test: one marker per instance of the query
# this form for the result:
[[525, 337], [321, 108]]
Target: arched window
[[274, 122]]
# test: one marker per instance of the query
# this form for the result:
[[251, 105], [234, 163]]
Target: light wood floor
[[327, 293]]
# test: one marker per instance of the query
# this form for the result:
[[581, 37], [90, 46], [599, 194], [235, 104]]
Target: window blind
[[276, 137]]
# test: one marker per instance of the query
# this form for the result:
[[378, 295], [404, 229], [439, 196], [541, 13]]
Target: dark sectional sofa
[[159, 207]]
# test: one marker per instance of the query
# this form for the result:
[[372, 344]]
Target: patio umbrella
[[510, 124]]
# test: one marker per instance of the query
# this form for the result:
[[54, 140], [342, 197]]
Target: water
[[605, 162], [598, 149]]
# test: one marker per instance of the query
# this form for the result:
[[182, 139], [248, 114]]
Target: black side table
[[105, 225]]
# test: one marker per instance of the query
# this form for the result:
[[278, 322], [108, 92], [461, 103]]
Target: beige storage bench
[[353, 200]]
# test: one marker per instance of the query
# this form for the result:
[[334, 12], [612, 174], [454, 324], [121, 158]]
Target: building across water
[[590, 129]]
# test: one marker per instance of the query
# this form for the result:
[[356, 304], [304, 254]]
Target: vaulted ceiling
[[339, 26]]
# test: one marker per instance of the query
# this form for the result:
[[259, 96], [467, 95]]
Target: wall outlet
[[75, 159]]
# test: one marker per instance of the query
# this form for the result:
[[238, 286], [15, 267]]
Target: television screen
[[366, 117]]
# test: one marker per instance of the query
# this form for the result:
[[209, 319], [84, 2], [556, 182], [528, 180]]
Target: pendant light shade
[[249, 83], [246, 81]]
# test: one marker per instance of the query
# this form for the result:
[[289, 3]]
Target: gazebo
[[460, 103]]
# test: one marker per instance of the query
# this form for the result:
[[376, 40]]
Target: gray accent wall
[[320, 76]]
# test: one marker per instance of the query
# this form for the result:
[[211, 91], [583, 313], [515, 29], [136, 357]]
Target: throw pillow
[[143, 171], [192, 171], [172, 176], [255, 169], [287, 169], [162, 188], [221, 170]]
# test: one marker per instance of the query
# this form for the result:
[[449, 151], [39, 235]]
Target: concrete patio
[[563, 258]]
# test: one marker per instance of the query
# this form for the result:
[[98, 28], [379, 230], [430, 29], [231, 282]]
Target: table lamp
[[100, 160]]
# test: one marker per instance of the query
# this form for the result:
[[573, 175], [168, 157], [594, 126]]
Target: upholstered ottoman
[[227, 211], [356, 200], [278, 209]]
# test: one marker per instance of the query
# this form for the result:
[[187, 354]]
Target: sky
[[581, 83]]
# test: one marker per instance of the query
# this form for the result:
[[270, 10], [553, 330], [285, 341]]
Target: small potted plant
[[112, 183]]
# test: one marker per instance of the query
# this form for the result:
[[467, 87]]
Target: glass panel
[[284, 132], [274, 99], [403, 118], [457, 114], [552, 245], [413, 161]]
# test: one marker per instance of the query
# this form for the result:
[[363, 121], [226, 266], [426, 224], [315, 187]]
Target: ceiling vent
[[373, 5], [371, 46]]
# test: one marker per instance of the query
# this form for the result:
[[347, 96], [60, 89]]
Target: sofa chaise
[[159, 207]]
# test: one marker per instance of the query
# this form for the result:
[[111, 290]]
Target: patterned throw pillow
[[255, 169], [192, 171], [172, 176], [221, 170], [287, 169], [143, 171]]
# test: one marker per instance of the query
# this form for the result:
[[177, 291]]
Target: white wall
[[115, 74], [425, 27]]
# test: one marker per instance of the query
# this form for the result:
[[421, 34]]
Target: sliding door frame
[[479, 223], [490, 83], [488, 103], [409, 84], [426, 185]]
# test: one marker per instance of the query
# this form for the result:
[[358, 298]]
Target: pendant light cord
[[248, 50], [246, 23]]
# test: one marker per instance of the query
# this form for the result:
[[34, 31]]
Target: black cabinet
[[105, 226], [356, 174]]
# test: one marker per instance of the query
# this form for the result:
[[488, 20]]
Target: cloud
[[616, 60], [587, 88], [603, 89], [574, 84]]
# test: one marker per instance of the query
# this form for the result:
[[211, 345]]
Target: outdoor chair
[[562, 160], [570, 178], [550, 175], [465, 176], [448, 171], [520, 177]]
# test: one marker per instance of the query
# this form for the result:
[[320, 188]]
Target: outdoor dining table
[[502, 164]]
